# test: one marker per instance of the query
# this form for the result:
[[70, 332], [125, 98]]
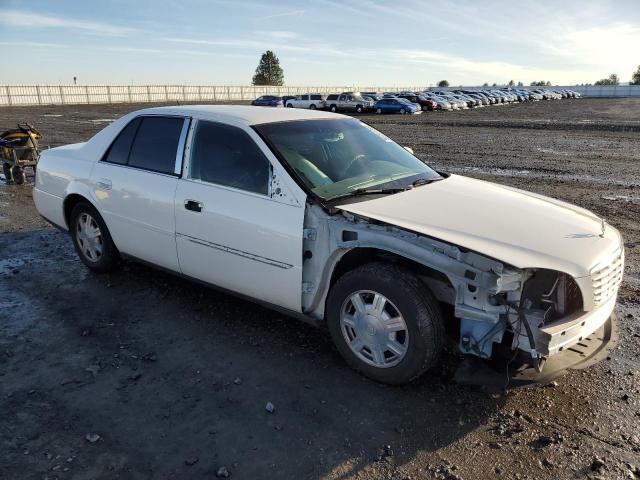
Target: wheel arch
[[346, 260], [70, 202]]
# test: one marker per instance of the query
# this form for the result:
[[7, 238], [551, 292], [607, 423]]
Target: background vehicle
[[307, 100], [268, 101], [395, 105], [423, 102], [348, 102]]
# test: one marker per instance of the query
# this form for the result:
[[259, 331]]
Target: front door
[[231, 230]]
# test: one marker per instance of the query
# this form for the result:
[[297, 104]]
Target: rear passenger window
[[316, 97], [156, 144], [226, 155], [119, 151]]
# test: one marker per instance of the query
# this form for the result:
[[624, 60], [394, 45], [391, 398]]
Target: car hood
[[520, 228]]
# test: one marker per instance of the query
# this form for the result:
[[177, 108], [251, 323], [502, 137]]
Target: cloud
[[17, 18], [293, 13], [280, 34]]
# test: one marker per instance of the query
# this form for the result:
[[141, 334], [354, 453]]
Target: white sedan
[[325, 218]]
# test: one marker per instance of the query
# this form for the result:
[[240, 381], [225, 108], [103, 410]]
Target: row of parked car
[[413, 102]]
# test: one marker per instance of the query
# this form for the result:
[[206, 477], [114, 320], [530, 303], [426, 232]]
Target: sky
[[319, 42]]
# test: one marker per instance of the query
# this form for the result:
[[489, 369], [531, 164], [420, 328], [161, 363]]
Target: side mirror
[[409, 149]]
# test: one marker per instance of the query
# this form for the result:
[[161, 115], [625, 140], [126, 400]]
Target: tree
[[511, 83], [443, 83], [268, 71], [541, 83], [520, 84], [612, 80], [485, 84], [635, 78]]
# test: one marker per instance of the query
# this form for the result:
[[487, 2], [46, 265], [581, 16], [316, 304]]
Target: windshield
[[341, 157]]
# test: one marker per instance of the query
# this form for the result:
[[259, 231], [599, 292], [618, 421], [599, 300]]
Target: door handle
[[193, 205], [104, 183]]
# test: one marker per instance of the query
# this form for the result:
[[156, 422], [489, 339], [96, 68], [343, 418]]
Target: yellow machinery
[[19, 149]]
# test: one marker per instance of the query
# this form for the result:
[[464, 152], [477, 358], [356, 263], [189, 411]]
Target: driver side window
[[226, 155]]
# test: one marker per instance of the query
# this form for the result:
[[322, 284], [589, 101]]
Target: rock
[[150, 357], [547, 463], [223, 472], [495, 445], [597, 464], [237, 381], [553, 384], [92, 437], [191, 460], [270, 407]]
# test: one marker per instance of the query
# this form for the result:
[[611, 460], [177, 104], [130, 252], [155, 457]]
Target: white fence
[[15, 95], [76, 94]]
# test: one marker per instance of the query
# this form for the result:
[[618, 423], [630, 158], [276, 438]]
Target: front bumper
[[556, 337], [588, 351]]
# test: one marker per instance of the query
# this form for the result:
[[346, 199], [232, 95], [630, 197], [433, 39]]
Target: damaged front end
[[532, 313]]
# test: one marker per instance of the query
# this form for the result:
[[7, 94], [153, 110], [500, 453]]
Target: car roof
[[248, 115]]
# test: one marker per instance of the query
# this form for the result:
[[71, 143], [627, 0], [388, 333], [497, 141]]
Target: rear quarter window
[[118, 152]]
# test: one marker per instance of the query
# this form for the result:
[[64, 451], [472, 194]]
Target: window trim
[[189, 160], [177, 170]]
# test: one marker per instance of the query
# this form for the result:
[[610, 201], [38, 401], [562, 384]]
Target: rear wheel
[[402, 111], [92, 239], [6, 170], [378, 111], [18, 175], [359, 108], [312, 106], [333, 108], [385, 323], [289, 105]]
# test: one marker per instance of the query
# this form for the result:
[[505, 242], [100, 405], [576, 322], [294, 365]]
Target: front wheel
[[92, 239], [385, 323], [402, 111], [333, 108], [359, 109], [289, 105], [378, 111], [312, 106]]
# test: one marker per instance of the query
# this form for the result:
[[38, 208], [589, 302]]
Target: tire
[[379, 111], [108, 258], [408, 299], [312, 106], [402, 111], [359, 108], [423, 108], [6, 170], [333, 108], [289, 105], [18, 175]]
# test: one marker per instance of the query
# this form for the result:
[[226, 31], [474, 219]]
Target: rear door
[[233, 229], [135, 183]]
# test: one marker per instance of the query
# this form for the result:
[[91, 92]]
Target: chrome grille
[[606, 278]]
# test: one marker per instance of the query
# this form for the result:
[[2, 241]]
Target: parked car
[[268, 101], [442, 103], [324, 218], [395, 105], [307, 100], [286, 98], [423, 102], [348, 102]]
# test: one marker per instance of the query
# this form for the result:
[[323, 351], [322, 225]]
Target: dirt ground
[[138, 374]]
